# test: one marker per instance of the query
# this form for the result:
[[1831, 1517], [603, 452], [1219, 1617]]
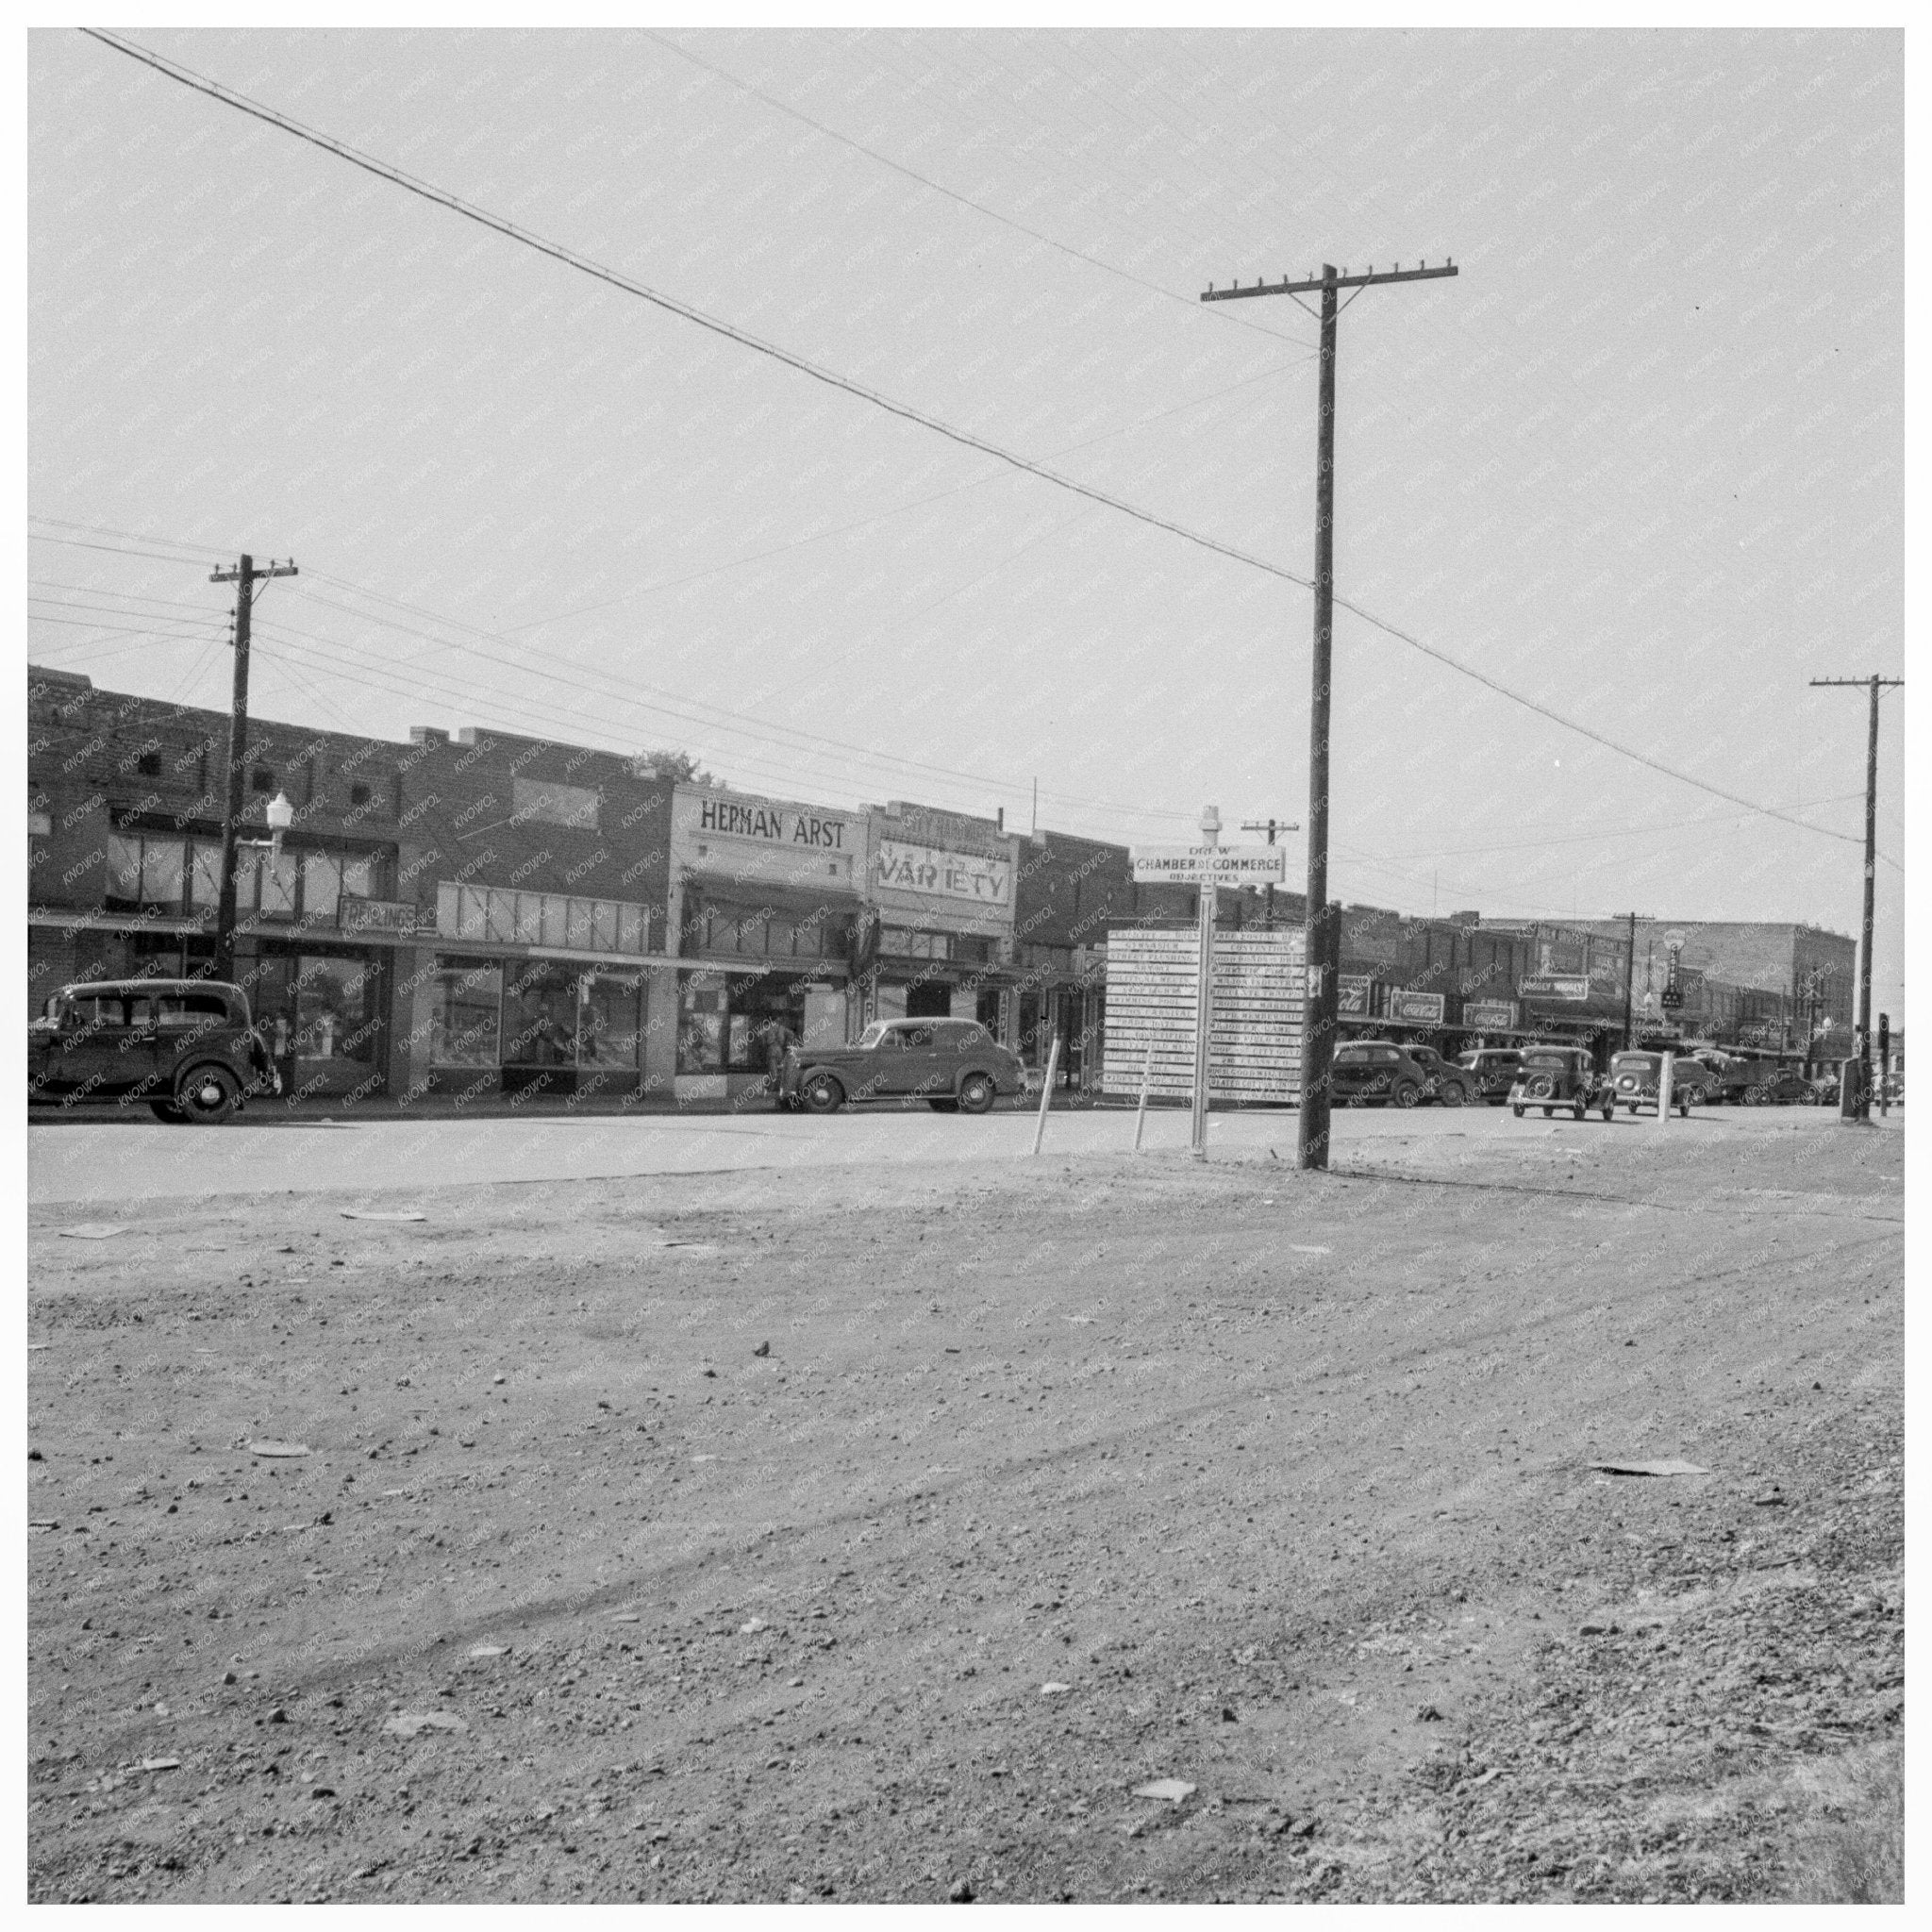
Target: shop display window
[[733, 1025], [466, 1015], [334, 997], [700, 1026], [539, 1004], [322, 885]]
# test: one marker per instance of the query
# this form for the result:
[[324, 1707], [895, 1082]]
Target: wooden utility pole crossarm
[[1324, 925]]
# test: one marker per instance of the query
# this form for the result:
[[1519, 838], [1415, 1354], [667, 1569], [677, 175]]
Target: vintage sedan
[[954, 1066], [1634, 1079], [185, 1048], [1553, 1076]]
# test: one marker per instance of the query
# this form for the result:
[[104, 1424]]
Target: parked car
[[1784, 1087], [955, 1066], [185, 1047], [1377, 1072], [1495, 1069], [1553, 1076], [1447, 1083], [1633, 1080]]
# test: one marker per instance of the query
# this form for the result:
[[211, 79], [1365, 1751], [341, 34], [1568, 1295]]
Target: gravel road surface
[[871, 1529]]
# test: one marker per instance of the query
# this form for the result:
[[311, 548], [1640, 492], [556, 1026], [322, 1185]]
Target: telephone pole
[[245, 576], [1862, 1045], [1323, 927], [1271, 827]]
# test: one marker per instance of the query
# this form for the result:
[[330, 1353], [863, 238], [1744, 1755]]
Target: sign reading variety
[[1221, 865], [950, 875]]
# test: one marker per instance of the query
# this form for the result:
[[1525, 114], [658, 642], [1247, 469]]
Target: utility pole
[[1630, 984], [1862, 1045], [1323, 927], [1203, 992], [1271, 827], [245, 576]]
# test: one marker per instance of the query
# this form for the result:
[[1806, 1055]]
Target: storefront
[[531, 993], [939, 939], [765, 897]]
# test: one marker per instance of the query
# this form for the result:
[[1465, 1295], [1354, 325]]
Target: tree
[[679, 765]]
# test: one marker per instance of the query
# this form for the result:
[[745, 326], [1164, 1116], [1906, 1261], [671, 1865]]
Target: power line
[[939, 188], [966, 438]]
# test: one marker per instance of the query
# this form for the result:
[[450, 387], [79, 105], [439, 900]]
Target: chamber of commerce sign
[[932, 871], [1226, 865]]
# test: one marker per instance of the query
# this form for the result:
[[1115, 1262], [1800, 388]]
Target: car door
[[140, 1046], [86, 1058], [918, 1071]]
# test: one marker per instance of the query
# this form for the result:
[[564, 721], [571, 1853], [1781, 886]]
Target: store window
[[540, 1001], [466, 1015], [143, 871], [727, 1025], [335, 1001], [504, 917]]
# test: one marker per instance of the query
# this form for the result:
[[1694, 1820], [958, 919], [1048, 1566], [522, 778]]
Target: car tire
[[944, 1106], [1453, 1094], [207, 1095], [166, 1110], [1684, 1109], [1516, 1110], [1578, 1109], [1405, 1093], [822, 1094], [977, 1093], [1609, 1111]]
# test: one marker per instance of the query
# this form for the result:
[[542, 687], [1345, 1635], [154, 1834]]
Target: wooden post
[[1052, 1063], [1146, 1081], [1666, 1063]]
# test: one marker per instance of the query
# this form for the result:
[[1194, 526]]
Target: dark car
[[1377, 1072], [186, 1048], [1494, 1067], [1786, 1088], [1447, 1082], [1634, 1078], [1553, 1076], [955, 1066]]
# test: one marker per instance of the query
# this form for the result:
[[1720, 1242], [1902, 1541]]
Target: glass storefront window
[[466, 1016], [322, 885], [205, 874], [539, 1016], [701, 1025], [123, 867], [610, 1021], [333, 1000], [359, 877]]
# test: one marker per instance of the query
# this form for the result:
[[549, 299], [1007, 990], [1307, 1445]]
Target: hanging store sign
[[1221, 865], [1422, 1009], [933, 872], [1352, 993], [1489, 1016], [376, 915], [1551, 986]]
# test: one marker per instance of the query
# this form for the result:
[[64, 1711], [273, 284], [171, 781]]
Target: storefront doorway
[[323, 1017]]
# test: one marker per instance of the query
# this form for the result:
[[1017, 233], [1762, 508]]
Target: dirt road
[[873, 1536]]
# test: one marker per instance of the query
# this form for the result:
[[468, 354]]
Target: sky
[[1640, 461]]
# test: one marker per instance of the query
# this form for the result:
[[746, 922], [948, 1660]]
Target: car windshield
[[872, 1034]]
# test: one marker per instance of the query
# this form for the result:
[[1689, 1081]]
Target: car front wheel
[[1516, 1107], [1405, 1093], [975, 1093], [1453, 1094], [824, 1094], [207, 1096]]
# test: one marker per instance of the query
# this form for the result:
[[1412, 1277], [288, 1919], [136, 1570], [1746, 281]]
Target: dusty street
[[871, 1531]]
